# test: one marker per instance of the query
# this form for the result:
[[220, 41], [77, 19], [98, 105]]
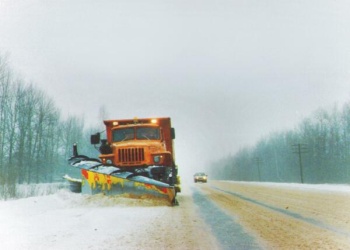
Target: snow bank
[[29, 190]]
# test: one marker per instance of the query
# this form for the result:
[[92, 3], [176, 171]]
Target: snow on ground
[[66, 220]]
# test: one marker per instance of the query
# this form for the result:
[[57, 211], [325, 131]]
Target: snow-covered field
[[65, 220]]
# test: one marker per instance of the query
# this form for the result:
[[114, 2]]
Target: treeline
[[35, 142], [316, 151]]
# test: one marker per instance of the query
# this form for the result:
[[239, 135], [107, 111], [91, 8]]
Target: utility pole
[[300, 149], [258, 161]]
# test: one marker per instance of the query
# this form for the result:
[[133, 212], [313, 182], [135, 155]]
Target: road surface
[[278, 216]]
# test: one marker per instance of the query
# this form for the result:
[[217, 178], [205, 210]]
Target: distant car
[[202, 177]]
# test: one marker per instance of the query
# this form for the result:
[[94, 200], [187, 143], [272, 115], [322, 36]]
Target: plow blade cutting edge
[[110, 180]]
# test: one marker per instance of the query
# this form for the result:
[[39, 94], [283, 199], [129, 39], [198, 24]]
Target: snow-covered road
[[216, 215], [286, 216]]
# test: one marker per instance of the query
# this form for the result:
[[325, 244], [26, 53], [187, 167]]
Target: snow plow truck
[[136, 158]]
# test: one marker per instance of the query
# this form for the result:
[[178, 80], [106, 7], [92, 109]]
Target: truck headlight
[[156, 158]]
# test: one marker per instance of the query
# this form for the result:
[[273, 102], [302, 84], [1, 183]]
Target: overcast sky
[[227, 72]]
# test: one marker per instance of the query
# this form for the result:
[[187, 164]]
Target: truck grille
[[131, 155]]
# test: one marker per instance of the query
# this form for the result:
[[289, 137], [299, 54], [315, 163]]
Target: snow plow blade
[[111, 180]]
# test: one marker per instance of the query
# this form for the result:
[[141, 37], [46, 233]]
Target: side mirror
[[172, 132], [95, 139]]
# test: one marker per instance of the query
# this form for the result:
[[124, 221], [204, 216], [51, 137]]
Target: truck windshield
[[142, 133], [147, 133], [123, 134]]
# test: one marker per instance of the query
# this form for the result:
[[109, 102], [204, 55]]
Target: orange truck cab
[[140, 145]]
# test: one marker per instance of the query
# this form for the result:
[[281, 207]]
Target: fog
[[226, 72]]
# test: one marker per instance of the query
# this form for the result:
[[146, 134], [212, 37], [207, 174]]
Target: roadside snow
[[73, 221]]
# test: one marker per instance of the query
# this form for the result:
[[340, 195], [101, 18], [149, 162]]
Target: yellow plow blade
[[94, 182]]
